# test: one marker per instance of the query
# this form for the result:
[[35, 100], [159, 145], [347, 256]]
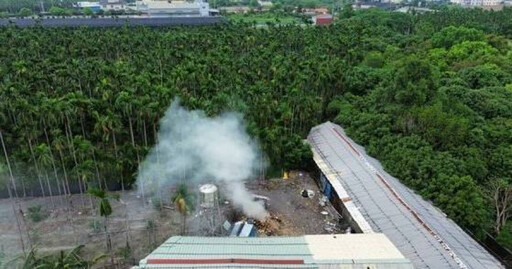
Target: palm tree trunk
[[69, 136], [138, 160], [144, 132], [49, 189], [66, 180], [53, 163], [117, 158], [36, 166]]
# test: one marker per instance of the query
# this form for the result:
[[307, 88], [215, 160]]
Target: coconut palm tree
[[182, 199], [105, 210]]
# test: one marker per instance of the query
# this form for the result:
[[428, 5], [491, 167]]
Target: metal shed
[[378, 202]]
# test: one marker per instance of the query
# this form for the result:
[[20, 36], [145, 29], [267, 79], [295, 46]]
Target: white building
[[164, 7], [477, 3], [113, 4]]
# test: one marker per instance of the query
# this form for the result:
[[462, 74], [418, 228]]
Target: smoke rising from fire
[[195, 148]]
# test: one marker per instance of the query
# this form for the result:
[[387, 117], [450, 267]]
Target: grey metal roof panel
[[357, 172]]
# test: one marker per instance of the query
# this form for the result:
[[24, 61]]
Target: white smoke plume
[[195, 148]]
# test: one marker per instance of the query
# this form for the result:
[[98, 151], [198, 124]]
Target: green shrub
[[36, 213], [95, 226], [25, 12], [35, 236], [157, 203]]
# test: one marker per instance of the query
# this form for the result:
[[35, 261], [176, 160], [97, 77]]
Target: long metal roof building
[[309, 251], [378, 202]]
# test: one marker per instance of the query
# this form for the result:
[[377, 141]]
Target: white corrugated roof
[[352, 246], [417, 228], [339, 250]]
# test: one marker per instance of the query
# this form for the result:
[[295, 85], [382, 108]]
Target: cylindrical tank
[[209, 195]]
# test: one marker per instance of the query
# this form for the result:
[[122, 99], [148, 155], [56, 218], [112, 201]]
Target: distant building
[[309, 251], [113, 4], [315, 11], [94, 6], [477, 3], [415, 9], [322, 19], [265, 4], [164, 7]]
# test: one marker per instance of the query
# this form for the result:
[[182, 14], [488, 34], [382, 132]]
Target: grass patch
[[264, 18]]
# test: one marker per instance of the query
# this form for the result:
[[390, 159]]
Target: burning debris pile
[[272, 225], [193, 147]]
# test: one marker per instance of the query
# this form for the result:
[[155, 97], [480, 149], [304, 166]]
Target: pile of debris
[[270, 226]]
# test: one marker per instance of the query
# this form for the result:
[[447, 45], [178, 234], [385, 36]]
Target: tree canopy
[[427, 94]]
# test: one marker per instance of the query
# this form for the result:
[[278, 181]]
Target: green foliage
[[88, 11], [24, 12], [150, 224], [347, 11], [58, 11], [183, 199], [427, 94], [298, 154], [505, 237], [460, 198], [65, 259], [105, 209], [415, 82], [125, 253], [36, 213], [452, 35], [157, 203], [95, 226]]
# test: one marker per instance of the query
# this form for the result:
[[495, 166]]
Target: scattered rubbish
[[308, 193], [226, 225], [323, 201], [330, 227], [304, 193]]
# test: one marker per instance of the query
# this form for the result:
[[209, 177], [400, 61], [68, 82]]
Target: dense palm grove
[[429, 95]]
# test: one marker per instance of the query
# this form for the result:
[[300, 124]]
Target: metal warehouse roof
[[308, 251], [418, 229]]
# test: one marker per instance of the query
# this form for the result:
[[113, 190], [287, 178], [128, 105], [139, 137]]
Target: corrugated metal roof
[[293, 252], [417, 228]]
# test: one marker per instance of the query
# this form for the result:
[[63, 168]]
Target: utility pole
[[42, 6]]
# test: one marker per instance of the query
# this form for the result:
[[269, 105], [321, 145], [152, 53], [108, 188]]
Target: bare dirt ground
[[297, 215], [143, 227], [132, 222]]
